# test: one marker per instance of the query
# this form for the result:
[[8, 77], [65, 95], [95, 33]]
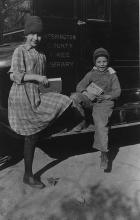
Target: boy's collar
[[110, 69]]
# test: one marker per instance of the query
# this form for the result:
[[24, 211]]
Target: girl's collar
[[28, 46]]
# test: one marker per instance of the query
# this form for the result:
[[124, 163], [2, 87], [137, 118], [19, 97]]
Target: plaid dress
[[29, 111]]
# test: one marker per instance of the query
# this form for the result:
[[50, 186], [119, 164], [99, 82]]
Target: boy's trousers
[[101, 112]]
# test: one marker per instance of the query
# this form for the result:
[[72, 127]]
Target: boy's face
[[101, 63], [33, 39]]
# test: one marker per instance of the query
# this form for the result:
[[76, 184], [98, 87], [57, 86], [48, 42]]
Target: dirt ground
[[76, 188]]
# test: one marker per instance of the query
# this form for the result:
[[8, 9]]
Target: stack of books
[[55, 85], [93, 91]]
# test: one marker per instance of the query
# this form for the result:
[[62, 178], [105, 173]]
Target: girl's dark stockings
[[29, 150]]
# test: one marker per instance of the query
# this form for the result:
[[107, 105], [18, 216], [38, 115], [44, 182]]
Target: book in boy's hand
[[93, 91], [54, 85]]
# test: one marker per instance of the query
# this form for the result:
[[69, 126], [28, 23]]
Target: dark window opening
[[93, 9], [55, 8], [97, 9]]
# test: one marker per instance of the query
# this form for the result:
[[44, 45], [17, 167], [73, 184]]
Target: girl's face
[[33, 39], [101, 63]]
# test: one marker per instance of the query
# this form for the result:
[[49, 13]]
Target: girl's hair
[[33, 25]]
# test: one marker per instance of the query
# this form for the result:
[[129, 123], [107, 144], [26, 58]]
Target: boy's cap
[[100, 52], [33, 25]]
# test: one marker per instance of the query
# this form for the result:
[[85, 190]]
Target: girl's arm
[[18, 70], [12, 77], [32, 77]]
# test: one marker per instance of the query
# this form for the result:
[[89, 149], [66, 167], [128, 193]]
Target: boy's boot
[[104, 160]]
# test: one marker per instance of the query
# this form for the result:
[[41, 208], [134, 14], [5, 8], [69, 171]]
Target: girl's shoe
[[104, 160], [33, 182]]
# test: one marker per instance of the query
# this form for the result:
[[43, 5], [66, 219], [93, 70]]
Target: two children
[[30, 111], [97, 91]]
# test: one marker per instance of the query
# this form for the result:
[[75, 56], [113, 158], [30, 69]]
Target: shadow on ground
[[66, 146]]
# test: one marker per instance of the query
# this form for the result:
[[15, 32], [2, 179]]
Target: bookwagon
[[73, 30]]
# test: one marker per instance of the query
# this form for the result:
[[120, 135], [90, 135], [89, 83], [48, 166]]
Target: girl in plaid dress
[[29, 111]]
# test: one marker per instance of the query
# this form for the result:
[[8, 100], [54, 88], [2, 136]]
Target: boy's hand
[[103, 97], [84, 93]]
